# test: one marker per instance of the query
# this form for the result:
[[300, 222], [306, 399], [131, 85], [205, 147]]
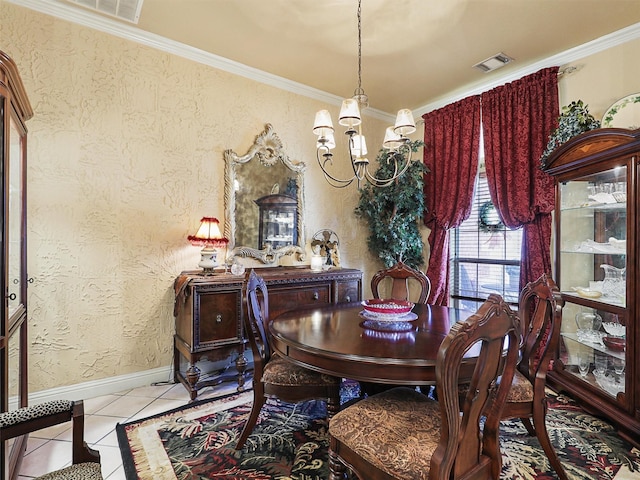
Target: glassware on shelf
[[584, 362], [614, 329], [601, 364], [614, 284], [618, 365], [588, 327]]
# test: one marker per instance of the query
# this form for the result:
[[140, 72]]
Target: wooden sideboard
[[209, 312]]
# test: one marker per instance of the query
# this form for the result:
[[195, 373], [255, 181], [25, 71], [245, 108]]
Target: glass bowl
[[617, 344], [386, 307], [615, 329]]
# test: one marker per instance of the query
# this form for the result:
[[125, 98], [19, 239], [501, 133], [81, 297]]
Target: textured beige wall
[[603, 78], [125, 157]]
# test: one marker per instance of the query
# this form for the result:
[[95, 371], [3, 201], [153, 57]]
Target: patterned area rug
[[290, 442]]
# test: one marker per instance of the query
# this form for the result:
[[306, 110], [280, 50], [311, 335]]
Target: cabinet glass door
[[15, 276], [593, 264]]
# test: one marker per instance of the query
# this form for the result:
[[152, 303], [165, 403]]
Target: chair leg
[[258, 402], [540, 427], [81, 452], [337, 469], [333, 404], [527, 424]]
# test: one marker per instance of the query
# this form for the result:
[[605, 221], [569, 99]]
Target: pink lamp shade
[[209, 237]]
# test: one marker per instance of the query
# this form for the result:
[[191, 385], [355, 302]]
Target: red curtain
[[517, 119], [451, 137]]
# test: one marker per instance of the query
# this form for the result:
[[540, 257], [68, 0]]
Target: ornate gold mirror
[[264, 205]]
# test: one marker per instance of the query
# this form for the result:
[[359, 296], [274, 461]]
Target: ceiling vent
[[493, 63], [128, 10]]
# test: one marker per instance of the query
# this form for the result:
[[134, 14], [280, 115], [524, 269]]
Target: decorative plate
[[625, 113], [586, 292], [395, 318], [395, 327]]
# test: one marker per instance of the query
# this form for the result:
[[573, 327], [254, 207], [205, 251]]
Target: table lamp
[[211, 239]]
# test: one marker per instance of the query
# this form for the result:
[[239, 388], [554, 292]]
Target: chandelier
[[395, 139]]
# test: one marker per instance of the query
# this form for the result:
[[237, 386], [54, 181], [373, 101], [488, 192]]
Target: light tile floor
[[50, 449]]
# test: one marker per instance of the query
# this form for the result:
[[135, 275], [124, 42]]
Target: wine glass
[[601, 365], [618, 365], [584, 362]]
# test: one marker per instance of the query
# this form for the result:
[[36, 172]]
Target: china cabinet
[[15, 110], [209, 313], [596, 266], [278, 221]]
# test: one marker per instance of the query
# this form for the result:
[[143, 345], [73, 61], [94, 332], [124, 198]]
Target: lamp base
[[208, 260]]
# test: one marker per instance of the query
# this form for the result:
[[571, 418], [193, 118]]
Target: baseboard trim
[[105, 386]]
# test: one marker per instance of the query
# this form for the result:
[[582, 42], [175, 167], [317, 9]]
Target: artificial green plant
[[392, 213], [573, 120]]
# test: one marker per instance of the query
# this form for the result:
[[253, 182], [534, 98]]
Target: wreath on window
[[488, 219]]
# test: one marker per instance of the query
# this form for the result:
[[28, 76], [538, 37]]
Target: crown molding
[[89, 19], [86, 18], [595, 46]]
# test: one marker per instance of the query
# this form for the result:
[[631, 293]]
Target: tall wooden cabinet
[[15, 110], [596, 260]]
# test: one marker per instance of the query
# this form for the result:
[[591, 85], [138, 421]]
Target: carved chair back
[[402, 277], [257, 322]]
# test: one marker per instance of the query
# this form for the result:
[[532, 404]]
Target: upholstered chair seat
[[280, 371], [521, 389], [382, 440], [81, 471], [85, 460]]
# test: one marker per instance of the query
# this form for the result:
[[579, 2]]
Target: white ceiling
[[414, 52]]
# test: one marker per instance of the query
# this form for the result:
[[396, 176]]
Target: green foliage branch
[[573, 120], [392, 213]]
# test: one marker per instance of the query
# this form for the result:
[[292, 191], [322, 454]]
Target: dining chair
[[403, 434], [402, 282], [540, 312], [274, 376], [402, 277], [540, 315], [85, 461]]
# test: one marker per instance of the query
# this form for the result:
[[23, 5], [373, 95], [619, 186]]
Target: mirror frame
[[266, 149]]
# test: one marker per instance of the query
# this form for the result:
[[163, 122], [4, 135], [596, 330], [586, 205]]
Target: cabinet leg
[[241, 366], [192, 376]]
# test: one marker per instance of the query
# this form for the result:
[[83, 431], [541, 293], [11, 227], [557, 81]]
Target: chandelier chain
[[359, 95], [359, 46]]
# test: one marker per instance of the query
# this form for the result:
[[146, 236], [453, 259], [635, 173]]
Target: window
[[485, 255]]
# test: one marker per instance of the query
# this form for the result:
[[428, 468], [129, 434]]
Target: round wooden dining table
[[340, 341]]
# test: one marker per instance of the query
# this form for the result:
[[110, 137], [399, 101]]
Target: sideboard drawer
[[284, 299], [350, 291], [217, 319]]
